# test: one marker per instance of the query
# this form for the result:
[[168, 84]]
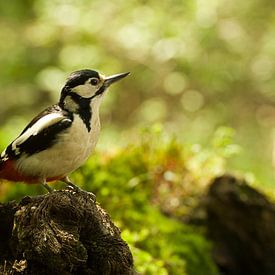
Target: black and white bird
[[61, 138]]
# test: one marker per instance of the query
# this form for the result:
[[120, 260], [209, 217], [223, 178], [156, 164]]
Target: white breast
[[73, 148]]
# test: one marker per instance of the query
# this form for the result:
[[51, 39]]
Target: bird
[[62, 137]]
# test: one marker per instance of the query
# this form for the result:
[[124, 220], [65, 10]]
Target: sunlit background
[[195, 66], [203, 71]]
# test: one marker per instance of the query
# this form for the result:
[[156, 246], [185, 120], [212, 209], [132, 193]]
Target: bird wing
[[39, 135]]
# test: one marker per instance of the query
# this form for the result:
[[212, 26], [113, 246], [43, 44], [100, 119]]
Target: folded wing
[[38, 136]]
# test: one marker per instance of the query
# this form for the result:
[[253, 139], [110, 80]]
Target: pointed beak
[[114, 78]]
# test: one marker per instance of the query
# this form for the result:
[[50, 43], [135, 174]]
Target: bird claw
[[78, 189]]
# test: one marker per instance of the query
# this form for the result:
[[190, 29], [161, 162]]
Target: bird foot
[[78, 189], [45, 185]]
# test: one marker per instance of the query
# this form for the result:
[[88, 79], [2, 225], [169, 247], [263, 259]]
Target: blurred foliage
[[195, 65], [148, 187]]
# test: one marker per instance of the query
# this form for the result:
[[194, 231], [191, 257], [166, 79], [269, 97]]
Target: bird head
[[87, 85]]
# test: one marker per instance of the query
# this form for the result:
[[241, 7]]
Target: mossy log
[[63, 232]]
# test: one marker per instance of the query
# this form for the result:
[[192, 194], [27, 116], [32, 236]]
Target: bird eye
[[94, 81]]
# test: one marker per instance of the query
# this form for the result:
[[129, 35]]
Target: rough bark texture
[[241, 224], [64, 232]]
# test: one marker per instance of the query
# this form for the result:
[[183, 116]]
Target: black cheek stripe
[[84, 109]]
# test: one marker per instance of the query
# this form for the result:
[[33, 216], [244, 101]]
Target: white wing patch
[[36, 128], [4, 156]]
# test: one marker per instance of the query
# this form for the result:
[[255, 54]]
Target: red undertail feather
[[9, 172]]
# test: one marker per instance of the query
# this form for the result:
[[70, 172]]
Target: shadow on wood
[[64, 232]]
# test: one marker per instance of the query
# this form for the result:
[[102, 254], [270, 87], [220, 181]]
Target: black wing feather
[[45, 138]]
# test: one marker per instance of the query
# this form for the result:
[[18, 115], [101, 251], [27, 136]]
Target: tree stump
[[241, 224], [63, 232]]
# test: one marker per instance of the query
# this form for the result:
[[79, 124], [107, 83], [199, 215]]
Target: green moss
[[135, 185]]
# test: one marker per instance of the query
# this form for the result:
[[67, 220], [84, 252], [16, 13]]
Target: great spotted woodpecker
[[61, 138]]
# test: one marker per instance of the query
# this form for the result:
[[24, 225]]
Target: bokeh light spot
[[192, 100], [174, 83]]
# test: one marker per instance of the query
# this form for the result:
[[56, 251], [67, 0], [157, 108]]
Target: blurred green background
[[202, 71], [195, 65]]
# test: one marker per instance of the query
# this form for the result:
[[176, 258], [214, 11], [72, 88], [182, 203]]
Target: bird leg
[[44, 184], [70, 183]]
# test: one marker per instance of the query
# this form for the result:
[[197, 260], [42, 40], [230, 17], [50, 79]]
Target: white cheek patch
[[70, 104], [86, 90], [38, 126]]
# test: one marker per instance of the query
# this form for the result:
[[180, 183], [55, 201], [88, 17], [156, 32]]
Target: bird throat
[[79, 105]]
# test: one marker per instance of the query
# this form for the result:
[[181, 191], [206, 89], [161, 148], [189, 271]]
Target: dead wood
[[64, 232]]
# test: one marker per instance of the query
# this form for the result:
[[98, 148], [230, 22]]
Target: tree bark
[[241, 224], [63, 232]]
